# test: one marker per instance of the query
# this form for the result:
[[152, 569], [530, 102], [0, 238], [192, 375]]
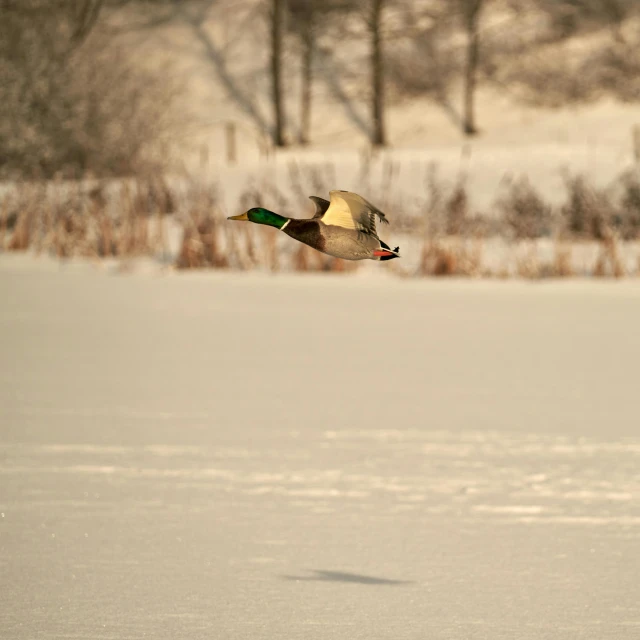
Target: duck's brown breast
[[306, 231]]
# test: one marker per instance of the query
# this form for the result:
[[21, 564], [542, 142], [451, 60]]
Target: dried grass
[[127, 219], [528, 262], [562, 264], [76, 219], [609, 262], [450, 257], [201, 244], [628, 216]]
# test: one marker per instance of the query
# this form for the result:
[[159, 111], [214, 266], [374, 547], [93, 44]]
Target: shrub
[[588, 211], [524, 211], [71, 108]]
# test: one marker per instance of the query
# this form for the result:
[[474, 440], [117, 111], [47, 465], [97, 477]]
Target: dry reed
[[139, 217], [77, 219], [450, 257], [609, 262], [562, 263]]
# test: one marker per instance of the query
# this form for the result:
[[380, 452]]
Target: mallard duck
[[344, 227]]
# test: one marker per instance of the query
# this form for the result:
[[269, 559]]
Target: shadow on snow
[[342, 576]]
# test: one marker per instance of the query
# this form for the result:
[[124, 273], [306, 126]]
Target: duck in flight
[[343, 227]]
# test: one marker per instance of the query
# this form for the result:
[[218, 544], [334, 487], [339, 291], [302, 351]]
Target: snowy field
[[243, 456]]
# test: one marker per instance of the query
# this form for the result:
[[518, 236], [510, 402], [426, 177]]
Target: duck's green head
[[261, 216]]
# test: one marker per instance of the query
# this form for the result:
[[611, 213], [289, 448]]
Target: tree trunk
[[472, 13], [86, 16], [377, 75], [307, 79], [276, 72]]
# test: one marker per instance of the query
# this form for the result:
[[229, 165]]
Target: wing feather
[[351, 211], [321, 206]]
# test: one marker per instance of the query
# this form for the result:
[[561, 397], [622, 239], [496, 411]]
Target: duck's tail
[[386, 253]]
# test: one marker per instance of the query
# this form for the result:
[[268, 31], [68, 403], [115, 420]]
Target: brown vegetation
[[69, 219], [524, 211], [139, 217]]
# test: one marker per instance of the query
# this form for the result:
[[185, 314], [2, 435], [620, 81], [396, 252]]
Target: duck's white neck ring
[[282, 228]]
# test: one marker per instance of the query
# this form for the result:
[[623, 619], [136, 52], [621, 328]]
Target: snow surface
[[245, 456]]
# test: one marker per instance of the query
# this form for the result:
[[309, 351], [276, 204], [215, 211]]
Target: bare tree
[[364, 21], [306, 18], [427, 60], [72, 102], [471, 15], [549, 71], [421, 59], [307, 79], [571, 17], [374, 23], [85, 16], [277, 16], [303, 19], [198, 16]]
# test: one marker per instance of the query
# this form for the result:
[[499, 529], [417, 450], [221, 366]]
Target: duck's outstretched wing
[[351, 211], [321, 206]]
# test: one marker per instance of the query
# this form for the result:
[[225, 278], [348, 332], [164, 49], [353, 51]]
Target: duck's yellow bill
[[242, 216]]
